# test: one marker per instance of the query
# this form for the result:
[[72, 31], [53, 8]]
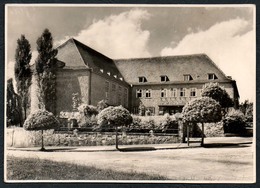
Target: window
[[138, 93], [115, 76], [173, 92], [164, 78], [148, 93], [142, 79], [182, 92], [108, 73], [187, 77], [101, 70], [193, 92], [163, 93], [212, 76]]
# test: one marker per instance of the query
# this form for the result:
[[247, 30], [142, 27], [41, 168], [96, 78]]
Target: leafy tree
[[46, 64], [202, 110], [41, 120], [214, 91], [23, 73], [115, 116], [246, 108], [13, 110]]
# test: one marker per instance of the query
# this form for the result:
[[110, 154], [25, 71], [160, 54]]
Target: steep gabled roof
[[69, 54], [77, 55], [174, 67]]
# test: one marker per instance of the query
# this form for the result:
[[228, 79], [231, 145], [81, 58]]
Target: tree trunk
[[202, 137], [188, 134], [24, 112], [116, 139], [42, 148]]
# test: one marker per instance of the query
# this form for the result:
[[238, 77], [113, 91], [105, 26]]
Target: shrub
[[161, 123], [41, 120], [86, 121], [234, 122], [88, 110], [101, 105]]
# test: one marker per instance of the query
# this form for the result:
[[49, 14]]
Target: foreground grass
[[38, 169]]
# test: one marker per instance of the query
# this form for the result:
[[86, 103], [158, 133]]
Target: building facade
[[160, 84]]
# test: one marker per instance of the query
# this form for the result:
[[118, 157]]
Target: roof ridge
[[160, 57]]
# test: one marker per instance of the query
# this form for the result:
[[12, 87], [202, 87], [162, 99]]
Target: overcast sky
[[225, 34]]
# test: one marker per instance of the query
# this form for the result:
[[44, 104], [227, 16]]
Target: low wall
[[21, 138]]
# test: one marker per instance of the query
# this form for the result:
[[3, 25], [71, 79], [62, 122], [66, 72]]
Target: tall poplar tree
[[45, 65], [13, 112], [23, 73]]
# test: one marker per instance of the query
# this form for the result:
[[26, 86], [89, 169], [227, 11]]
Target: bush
[[234, 122], [159, 123], [86, 121], [41, 120], [88, 110]]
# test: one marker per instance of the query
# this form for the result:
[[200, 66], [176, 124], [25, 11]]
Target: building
[[160, 84]]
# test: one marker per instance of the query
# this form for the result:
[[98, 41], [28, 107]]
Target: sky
[[225, 34]]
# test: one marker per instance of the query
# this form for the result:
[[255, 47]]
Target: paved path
[[229, 163]]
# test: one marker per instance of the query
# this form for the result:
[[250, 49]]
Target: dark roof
[[77, 55], [174, 67]]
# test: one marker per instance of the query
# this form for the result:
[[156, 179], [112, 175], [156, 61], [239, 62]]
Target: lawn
[[39, 169]]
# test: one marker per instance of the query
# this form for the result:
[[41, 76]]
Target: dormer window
[[108, 73], [121, 78], [142, 79], [212, 76], [115, 76], [164, 78], [101, 70], [187, 77]]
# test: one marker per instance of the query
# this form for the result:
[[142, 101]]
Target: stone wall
[[22, 138]]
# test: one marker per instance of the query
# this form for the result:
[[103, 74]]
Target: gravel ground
[[231, 163]]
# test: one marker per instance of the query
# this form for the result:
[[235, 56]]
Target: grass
[[38, 169]]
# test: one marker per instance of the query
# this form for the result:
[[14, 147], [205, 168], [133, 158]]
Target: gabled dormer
[[142, 79], [164, 78], [212, 76], [187, 77]]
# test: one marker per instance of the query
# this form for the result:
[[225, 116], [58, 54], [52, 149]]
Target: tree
[[13, 111], [246, 108], [46, 54], [115, 116], [202, 110], [46, 65], [23, 73], [214, 91], [41, 120]]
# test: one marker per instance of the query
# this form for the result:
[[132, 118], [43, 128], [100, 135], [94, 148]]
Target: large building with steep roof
[[160, 84]]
